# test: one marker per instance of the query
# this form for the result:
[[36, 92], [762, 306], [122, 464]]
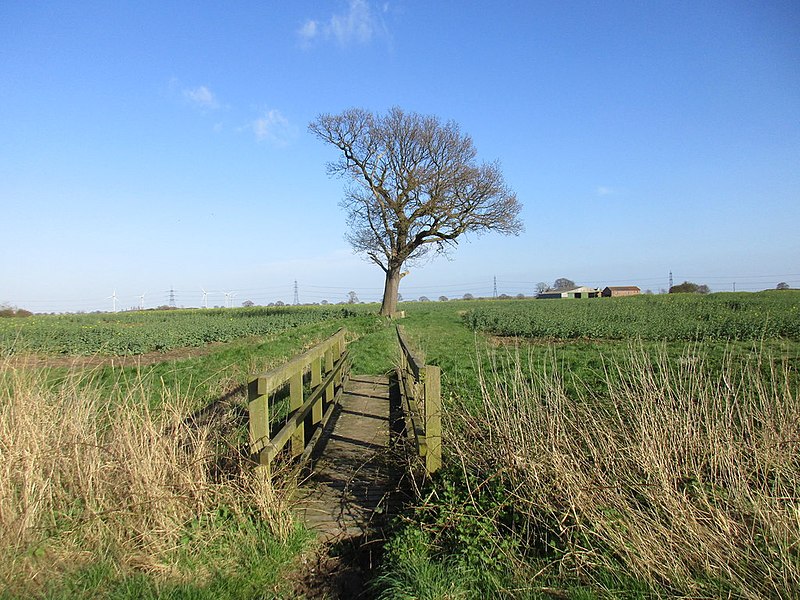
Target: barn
[[620, 290], [578, 292]]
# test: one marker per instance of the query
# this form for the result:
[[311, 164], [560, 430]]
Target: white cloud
[[603, 190], [273, 128], [357, 25], [201, 97], [308, 31]]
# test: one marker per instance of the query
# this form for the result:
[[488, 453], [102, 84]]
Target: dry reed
[[85, 477], [678, 475]]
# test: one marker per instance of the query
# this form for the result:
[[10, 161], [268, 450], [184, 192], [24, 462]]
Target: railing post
[[329, 389], [258, 407], [316, 379], [295, 402], [305, 414], [433, 418]]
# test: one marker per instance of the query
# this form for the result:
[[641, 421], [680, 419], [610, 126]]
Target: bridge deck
[[348, 492]]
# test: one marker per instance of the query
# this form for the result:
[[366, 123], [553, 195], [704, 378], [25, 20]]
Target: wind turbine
[[233, 295], [141, 301], [227, 298], [113, 298], [205, 298]]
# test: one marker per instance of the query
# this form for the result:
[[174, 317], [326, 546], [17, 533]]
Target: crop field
[[678, 317], [138, 332], [635, 447]]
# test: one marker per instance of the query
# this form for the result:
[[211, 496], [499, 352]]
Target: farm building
[[578, 292], [620, 290]]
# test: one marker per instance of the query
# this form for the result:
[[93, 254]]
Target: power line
[[314, 292]]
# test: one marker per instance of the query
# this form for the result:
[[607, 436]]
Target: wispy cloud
[[201, 97], [358, 25], [309, 31], [603, 190], [273, 128]]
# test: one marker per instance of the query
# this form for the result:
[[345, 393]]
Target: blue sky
[[150, 146]]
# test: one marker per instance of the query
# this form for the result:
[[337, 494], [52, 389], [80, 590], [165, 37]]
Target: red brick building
[[620, 290]]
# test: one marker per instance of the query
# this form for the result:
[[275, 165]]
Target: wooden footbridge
[[345, 434]]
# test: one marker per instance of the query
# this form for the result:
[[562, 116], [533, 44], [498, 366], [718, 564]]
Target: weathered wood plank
[[433, 419], [347, 492], [269, 381]]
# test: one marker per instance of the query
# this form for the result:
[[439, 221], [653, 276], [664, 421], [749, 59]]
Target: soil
[[338, 570]]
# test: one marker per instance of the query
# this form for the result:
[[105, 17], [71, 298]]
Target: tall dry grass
[[87, 477], [681, 476]]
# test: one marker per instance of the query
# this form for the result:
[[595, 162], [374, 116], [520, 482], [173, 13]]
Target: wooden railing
[[325, 368], [420, 390]]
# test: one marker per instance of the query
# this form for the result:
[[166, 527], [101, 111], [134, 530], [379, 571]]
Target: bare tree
[[414, 185], [542, 287]]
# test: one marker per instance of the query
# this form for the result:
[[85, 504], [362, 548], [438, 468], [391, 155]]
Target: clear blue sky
[[149, 146]]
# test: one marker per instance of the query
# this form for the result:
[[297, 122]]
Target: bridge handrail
[[420, 388], [327, 381]]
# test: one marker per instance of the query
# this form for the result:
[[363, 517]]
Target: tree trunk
[[389, 305]]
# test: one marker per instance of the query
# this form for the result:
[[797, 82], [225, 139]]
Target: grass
[[598, 468], [202, 374], [109, 490], [577, 468], [97, 498]]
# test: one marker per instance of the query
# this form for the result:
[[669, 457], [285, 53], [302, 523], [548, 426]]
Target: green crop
[[675, 317], [138, 332]]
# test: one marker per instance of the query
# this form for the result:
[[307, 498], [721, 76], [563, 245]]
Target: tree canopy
[[562, 283], [688, 287], [414, 185]]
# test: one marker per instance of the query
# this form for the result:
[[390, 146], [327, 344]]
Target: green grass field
[[631, 447]]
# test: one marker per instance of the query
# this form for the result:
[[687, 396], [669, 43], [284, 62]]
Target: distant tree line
[[10, 311], [687, 287]]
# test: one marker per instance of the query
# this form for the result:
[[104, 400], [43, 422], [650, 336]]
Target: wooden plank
[[295, 402], [279, 440], [413, 362], [328, 368], [271, 380], [262, 386], [421, 390], [348, 493], [312, 444], [433, 419], [316, 380], [258, 408]]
